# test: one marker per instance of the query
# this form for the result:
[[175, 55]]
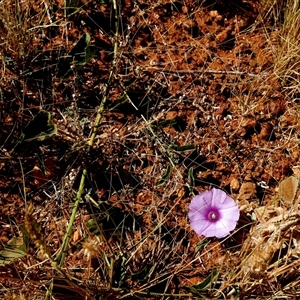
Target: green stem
[[62, 255], [63, 252]]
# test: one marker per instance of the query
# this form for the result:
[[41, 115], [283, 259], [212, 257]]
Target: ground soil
[[193, 89]]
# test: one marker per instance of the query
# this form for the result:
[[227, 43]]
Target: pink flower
[[213, 213]]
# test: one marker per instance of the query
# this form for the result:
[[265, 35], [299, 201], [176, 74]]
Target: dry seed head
[[29, 221], [14, 297], [91, 247], [33, 232]]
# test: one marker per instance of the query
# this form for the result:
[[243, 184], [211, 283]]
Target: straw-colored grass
[[287, 53], [82, 233]]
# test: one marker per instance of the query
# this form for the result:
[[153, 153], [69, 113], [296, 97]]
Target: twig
[[156, 69]]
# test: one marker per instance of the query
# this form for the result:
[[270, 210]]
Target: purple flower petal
[[213, 213], [218, 197]]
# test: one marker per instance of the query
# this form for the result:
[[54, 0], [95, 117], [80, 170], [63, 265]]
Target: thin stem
[[63, 252]]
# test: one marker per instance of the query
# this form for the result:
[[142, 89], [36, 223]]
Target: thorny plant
[[132, 233]]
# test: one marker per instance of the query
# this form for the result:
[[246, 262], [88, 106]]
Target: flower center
[[213, 216]]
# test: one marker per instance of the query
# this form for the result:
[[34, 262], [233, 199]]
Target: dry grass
[[18, 18], [130, 238], [287, 54], [272, 10]]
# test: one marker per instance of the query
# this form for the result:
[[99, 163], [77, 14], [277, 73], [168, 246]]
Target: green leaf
[[80, 54], [191, 179], [207, 283], [71, 7], [90, 51], [15, 248], [40, 128], [143, 275], [183, 148], [165, 177], [119, 271], [165, 123], [93, 226], [201, 245]]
